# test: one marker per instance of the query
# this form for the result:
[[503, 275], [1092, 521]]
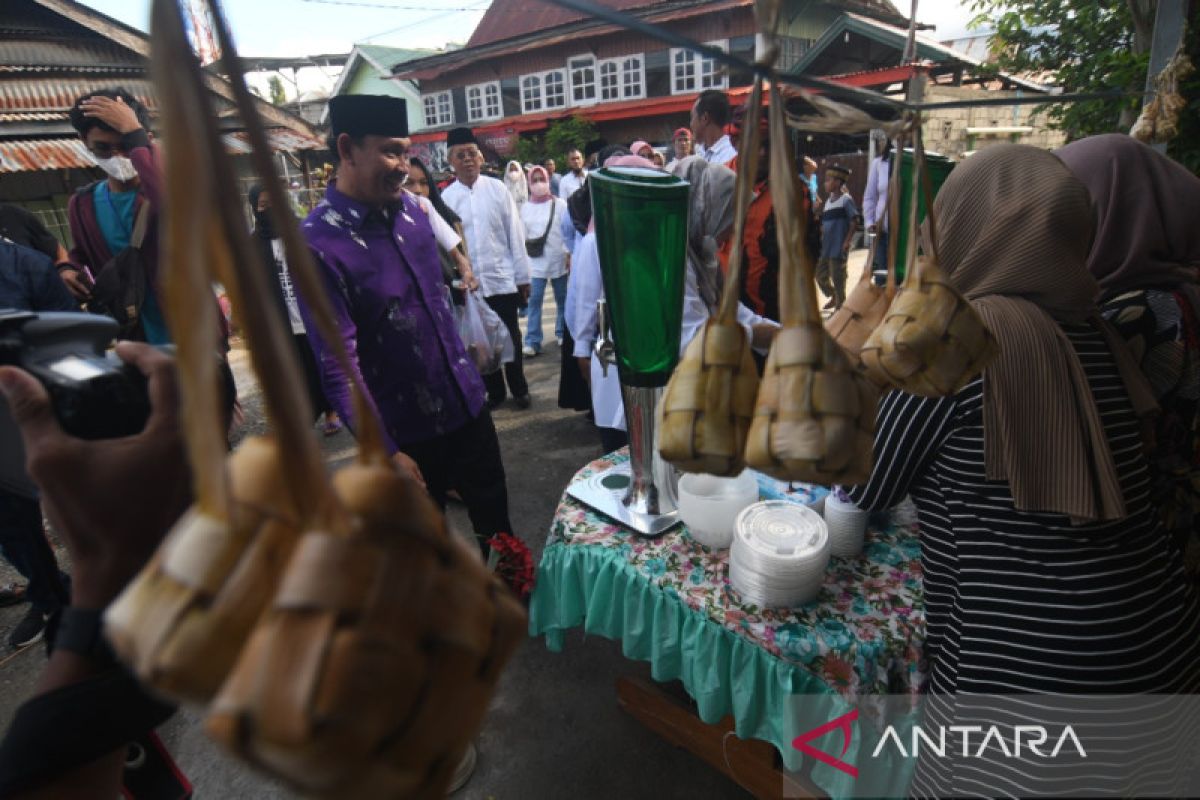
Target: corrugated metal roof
[[58, 94], [74, 54], [34, 155], [506, 19]]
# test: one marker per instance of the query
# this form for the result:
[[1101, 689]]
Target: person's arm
[[47, 290], [870, 196], [853, 229], [566, 227], [514, 231], [87, 490], [909, 430], [72, 272]]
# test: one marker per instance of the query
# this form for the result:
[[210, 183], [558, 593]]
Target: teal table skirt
[[778, 673]]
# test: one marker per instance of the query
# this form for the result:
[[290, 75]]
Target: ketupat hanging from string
[[182, 621], [931, 341], [709, 401], [815, 415], [402, 628], [373, 666], [867, 304]]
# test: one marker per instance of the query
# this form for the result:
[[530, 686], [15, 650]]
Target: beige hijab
[[1015, 228]]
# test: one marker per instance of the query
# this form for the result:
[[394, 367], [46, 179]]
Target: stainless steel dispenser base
[[605, 492]]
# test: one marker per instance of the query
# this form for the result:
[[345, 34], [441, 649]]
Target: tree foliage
[[275, 87], [560, 137], [1080, 45]]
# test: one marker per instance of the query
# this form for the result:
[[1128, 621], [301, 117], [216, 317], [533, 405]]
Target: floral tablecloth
[[669, 601]]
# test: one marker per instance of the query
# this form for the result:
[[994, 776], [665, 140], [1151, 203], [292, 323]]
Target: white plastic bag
[[484, 334]]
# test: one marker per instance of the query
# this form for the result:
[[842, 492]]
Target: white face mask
[[118, 167]]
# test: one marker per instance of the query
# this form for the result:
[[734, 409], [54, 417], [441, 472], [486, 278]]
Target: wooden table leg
[[751, 763]]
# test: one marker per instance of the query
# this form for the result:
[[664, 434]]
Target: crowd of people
[[1058, 494]]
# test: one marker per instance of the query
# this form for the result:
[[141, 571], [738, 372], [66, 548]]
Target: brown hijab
[[1014, 230], [1147, 214]]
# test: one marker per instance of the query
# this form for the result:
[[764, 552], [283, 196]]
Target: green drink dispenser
[[939, 169], [641, 218], [641, 233]]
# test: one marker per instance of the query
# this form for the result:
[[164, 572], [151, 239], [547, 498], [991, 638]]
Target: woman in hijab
[[1146, 258], [514, 180], [1046, 571], [549, 260], [271, 246]]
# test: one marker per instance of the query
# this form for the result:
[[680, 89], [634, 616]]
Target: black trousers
[[312, 375], [468, 461], [505, 306], [23, 542]]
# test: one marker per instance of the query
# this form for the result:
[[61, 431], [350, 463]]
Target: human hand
[[407, 467], [113, 113], [112, 500], [469, 280], [523, 290], [76, 284]]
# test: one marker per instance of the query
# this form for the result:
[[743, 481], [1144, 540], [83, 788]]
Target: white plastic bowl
[[710, 505]]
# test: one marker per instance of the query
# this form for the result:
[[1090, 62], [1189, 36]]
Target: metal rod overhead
[[851, 94]]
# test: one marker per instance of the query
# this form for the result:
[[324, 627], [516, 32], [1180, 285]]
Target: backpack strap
[[139, 226]]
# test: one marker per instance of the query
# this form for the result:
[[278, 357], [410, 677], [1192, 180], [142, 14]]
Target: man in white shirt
[[710, 115], [575, 176], [875, 208], [496, 246]]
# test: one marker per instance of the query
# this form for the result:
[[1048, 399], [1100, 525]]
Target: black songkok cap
[[368, 115], [594, 146], [460, 136]]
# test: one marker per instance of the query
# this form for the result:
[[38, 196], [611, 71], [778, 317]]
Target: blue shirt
[[114, 215], [384, 279], [839, 212]]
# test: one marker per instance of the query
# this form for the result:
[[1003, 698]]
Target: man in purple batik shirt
[[379, 260]]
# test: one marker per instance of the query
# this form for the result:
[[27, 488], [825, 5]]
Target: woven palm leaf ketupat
[[372, 667], [382, 648], [814, 418], [931, 342], [867, 304], [709, 401], [183, 619]]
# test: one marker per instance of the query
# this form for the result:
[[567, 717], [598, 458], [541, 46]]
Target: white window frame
[[622, 71], [443, 109], [485, 92], [536, 98], [594, 84], [565, 90], [532, 97], [705, 72]]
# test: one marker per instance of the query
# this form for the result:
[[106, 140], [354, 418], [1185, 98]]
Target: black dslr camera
[[95, 395]]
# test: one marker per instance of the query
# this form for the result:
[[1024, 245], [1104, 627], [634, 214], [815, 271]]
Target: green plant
[[564, 134]]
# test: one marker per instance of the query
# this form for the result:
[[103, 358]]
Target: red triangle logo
[[842, 724]]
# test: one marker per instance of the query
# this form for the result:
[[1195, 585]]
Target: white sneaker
[[528, 351], [559, 340]]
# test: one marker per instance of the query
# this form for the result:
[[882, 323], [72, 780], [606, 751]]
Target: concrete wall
[[945, 131]]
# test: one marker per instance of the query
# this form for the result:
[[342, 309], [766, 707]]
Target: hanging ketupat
[[815, 414], [377, 644], [709, 401], [931, 342]]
